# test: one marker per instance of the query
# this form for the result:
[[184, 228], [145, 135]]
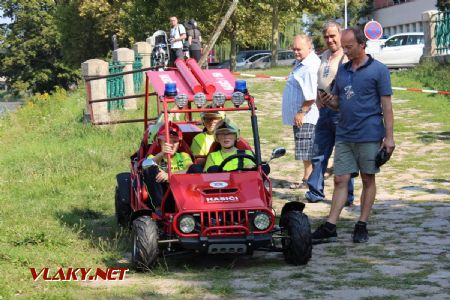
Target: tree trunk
[[217, 33], [233, 50], [275, 33]]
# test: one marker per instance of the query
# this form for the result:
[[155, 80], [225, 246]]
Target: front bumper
[[229, 244]]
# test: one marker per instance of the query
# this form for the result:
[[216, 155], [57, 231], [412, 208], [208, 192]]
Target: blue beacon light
[[170, 89], [241, 86]]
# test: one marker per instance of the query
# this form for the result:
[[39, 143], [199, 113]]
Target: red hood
[[227, 190]]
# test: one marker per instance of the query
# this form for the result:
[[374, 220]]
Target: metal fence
[[137, 77], [442, 32], [115, 86]]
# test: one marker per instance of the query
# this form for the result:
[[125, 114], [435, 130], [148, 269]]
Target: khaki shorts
[[352, 158]]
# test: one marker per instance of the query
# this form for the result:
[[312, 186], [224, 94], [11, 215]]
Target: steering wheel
[[238, 156]]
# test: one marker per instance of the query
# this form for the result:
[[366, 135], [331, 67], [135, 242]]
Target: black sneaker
[[360, 234], [324, 235]]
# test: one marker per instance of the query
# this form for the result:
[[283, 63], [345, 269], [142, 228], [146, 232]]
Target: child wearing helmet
[[227, 134], [203, 141], [156, 175]]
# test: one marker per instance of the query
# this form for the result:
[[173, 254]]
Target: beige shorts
[[352, 158]]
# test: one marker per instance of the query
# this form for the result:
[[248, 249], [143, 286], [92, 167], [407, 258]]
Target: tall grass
[[57, 181], [430, 74]]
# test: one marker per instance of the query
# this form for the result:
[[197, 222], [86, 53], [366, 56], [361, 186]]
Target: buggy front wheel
[[297, 245], [145, 243]]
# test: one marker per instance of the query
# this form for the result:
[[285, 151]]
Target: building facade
[[397, 16]]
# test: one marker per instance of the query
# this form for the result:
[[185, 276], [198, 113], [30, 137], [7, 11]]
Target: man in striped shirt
[[298, 107]]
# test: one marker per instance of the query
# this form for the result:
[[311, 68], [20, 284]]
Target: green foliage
[[431, 74], [33, 59], [356, 9], [80, 36], [443, 4]]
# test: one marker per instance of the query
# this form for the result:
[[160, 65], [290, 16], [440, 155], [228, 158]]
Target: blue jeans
[[323, 147]]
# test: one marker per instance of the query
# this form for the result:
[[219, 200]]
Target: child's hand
[[168, 149], [161, 176]]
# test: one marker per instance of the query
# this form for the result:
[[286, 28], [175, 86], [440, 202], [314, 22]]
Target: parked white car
[[285, 58], [246, 63], [401, 50]]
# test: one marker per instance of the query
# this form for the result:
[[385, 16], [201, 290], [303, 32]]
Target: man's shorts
[[304, 141], [352, 158]]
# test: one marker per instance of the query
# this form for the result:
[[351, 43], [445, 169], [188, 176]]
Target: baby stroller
[[160, 52]]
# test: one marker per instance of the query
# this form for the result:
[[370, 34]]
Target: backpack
[[185, 41]]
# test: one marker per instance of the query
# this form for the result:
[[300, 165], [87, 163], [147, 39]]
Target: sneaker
[[311, 198], [360, 234], [348, 203], [324, 235]]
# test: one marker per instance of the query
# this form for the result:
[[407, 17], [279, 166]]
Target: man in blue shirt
[[299, 108], [362, 93]]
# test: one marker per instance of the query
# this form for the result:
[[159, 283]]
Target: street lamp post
[[345, 14]]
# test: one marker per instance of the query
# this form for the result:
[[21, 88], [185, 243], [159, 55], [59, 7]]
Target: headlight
[[219, 99], [237, 98], [261, 221], [181, 100], [200, 99], [187, 224]]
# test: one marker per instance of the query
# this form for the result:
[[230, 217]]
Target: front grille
[[224, 222], [220, 191]]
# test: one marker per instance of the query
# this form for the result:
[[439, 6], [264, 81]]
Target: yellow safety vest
[[202, 143], [216, 158]]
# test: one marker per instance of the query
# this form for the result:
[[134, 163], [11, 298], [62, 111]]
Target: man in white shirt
[[177, 36], [299, 108]]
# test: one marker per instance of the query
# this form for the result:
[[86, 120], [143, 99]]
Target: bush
[[431, 74]]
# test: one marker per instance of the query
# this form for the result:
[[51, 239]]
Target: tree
[[357, 11], [287, 11], [443, 5], [32, 60], [82, 36]]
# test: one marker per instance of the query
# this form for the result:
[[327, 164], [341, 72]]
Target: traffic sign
[[373, 30]]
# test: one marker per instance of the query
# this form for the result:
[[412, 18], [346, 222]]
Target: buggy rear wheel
[[123, 200], [297, 246], [145, 243]]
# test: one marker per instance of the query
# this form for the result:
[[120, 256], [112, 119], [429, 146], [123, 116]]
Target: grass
[[57, 177]]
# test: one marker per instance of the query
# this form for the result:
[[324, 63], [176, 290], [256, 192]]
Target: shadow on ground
[[100, 229], [431, 137]]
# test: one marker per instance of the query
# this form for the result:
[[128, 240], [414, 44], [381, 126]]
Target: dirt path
[[407, 256]]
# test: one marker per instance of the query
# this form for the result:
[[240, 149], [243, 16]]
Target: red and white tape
[[394, 88], [420, 90], [260, 76]]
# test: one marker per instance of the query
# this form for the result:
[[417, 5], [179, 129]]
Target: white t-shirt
[[176, 32], [328, 69]]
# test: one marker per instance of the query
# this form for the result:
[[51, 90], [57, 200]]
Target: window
[[415, 40], [396, 41], [412, 40], [420, 40], [256, 57]]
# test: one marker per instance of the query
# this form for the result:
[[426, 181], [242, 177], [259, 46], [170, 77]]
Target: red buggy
[[219, 212]]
